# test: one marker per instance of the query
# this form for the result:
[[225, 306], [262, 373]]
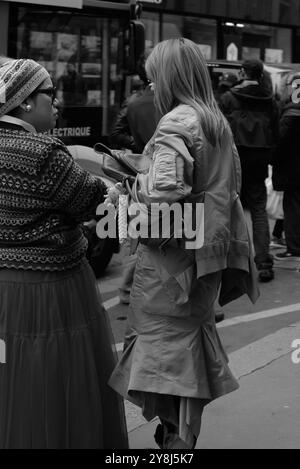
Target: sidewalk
[[263, 413]]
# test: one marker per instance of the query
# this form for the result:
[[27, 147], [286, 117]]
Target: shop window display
[[84, 55], [268, 43], [152, 28], [268, 11], [200, 30]]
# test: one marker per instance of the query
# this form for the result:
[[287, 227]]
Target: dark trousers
[[278, 228], [291, 208], [254, 198]]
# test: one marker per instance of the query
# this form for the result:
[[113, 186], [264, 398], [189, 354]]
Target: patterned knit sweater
[[44, 198]]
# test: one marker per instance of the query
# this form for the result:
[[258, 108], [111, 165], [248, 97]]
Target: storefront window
[[84, 56], [297, 46], [200, 30], [270, 44], [269, 11], [152, 34]]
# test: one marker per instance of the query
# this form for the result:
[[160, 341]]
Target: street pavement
[[261, 342]]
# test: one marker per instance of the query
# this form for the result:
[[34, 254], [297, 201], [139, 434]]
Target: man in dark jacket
[[141, 115], [252, 113], [137, 120], [286, 173], [134, 127]]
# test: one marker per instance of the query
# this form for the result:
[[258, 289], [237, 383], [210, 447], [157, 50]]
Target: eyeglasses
[[48, 91]]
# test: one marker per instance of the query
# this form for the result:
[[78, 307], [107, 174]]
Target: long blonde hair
[[180, 75]]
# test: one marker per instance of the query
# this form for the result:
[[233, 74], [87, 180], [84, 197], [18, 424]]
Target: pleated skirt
[[58, 354]]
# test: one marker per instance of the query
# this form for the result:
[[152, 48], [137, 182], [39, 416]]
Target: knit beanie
[[18, 79]]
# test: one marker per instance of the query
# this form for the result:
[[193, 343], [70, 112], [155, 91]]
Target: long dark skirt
[[59, 356]]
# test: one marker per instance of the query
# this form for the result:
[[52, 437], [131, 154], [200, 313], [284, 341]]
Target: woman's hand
[[112, 196]]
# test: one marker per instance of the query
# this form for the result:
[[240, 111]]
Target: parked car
[[100, 251]]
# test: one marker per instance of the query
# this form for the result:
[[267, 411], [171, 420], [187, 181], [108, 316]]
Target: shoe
[[282, 256], [159, 435], [174, 442], [277, 242], [219, 317], [170, 440], [266, 275]]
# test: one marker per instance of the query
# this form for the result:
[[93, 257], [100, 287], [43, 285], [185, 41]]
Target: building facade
[[82, 43], [265, 29]]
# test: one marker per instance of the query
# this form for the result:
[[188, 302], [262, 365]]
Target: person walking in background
[[120, 136], [252, 113], [286, 170], [53, 386], [133, 129], [174, 363], [227, 81], [137, 119], [141, 113]]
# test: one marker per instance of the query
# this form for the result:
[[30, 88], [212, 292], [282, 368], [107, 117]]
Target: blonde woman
[[174, 363]]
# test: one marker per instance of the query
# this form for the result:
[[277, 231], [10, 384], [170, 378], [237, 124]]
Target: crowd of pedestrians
[[64, 387], [251, 110]]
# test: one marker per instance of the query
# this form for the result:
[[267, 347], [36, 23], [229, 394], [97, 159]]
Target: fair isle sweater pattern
[[44, 198]]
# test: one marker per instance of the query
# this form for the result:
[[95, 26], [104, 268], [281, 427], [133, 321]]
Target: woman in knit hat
[[53, 328]]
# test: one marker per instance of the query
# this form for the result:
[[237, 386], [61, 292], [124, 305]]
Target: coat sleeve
[[170, 177], [75, 191]]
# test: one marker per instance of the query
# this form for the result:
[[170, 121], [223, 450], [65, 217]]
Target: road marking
[[109, 285], [260, 353], [111, 303], [260, 315], [237, 319]]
